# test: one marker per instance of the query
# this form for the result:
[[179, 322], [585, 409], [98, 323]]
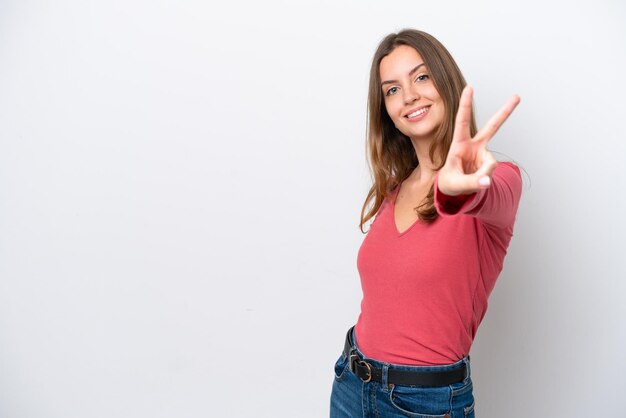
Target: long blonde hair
[[391, 156]]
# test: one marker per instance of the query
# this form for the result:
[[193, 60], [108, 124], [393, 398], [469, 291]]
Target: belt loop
[[349, 347], [468, 370], [352, 339], [385, 377]]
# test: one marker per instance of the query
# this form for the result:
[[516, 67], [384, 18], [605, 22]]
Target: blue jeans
[[351, 397]]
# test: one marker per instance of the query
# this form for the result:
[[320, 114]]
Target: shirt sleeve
[[495, 206]]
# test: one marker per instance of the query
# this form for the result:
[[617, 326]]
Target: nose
[[411, 94]]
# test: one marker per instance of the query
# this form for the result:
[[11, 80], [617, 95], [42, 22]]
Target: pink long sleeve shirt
[[425, 289]]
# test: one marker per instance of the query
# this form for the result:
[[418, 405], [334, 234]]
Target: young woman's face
[[411, 99]]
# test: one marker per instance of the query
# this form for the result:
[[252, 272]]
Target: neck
[[425, 171]]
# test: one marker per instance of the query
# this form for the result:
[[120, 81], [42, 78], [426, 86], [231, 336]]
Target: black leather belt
[[368, 373]]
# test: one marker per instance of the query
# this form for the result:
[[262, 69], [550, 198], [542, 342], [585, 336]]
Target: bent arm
[[495, 206]]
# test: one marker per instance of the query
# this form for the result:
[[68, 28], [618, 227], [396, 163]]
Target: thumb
[[482, 176]]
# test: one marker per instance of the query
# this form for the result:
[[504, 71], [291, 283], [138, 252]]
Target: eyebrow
[[410, 73]]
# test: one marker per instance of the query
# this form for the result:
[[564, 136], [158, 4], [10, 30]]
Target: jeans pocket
[[421, 402], [341, 365], [463, 398]]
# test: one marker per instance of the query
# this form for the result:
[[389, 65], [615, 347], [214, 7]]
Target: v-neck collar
[[393, 214]]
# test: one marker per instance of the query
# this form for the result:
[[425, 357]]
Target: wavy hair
[[391, 156]]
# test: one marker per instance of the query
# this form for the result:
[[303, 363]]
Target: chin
[[420, 133]]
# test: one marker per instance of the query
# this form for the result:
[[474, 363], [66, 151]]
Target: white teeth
[[417, 112]]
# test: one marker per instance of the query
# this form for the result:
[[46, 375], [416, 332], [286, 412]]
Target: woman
[[444, 213]]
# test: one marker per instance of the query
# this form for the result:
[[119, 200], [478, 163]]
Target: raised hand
[[469, 166]]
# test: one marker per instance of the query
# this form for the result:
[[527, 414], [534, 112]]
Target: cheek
[[397, 120], [392, 109]]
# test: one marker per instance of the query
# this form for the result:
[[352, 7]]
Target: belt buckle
[[354, 358]]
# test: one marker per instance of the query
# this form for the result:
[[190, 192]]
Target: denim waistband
[[440, 367]]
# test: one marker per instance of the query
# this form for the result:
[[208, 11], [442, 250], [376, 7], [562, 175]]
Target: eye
[[391, 91], [422, 77]]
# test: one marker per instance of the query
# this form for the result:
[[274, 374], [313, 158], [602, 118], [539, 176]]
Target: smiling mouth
[[418, 113]]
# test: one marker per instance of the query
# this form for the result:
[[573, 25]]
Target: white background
[[181, 184]]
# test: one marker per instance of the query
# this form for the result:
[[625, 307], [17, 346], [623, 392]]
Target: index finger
[[492, 126]]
